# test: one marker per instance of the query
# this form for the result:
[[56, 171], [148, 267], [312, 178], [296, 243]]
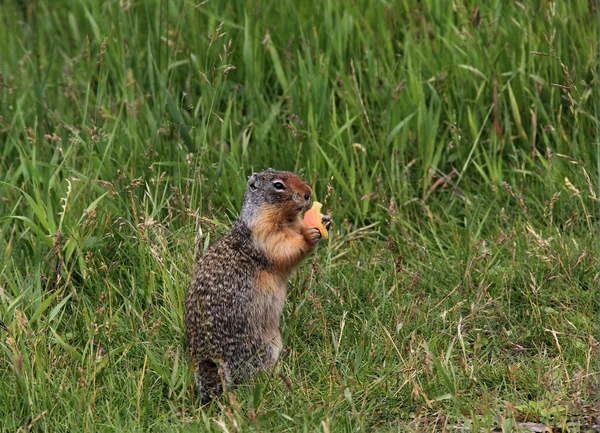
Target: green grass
[[454, 145]]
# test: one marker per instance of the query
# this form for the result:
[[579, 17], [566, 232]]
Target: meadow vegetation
[[454, 143]]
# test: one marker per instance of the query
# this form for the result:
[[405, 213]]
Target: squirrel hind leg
[[274, 347], [210, 377]]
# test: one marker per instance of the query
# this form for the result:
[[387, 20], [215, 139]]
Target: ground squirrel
[[235, 299]]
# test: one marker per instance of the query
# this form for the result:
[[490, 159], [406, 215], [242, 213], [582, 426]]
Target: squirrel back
[[236, 296]]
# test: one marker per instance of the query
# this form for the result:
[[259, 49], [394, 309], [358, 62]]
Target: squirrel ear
[[252, 181]]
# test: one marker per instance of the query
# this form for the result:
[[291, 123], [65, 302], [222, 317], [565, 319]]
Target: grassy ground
[[454, 145]]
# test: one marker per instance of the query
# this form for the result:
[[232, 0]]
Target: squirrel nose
[[307, 195]]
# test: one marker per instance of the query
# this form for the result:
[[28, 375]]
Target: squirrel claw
[[313, 235], [326, 221]]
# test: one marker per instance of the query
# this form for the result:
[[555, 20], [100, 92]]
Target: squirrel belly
[[269, 299], [237, 293]]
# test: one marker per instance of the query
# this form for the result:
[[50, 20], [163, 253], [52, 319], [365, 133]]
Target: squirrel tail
[[209, 378]]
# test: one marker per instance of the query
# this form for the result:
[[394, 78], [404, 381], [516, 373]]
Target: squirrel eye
[[278, 185], [253, 185]]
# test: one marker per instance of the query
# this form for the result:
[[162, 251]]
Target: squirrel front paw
[[326, 221], [313, 235]]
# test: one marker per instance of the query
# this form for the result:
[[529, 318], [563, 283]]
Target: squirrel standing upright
[[235, 299]]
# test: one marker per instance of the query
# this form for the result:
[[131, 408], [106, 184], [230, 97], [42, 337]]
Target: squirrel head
[[281, 192]]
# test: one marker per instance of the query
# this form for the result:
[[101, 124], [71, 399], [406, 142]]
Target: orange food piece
[[312, 218]]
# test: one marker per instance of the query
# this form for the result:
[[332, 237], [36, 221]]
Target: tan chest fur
[[281, 240]]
